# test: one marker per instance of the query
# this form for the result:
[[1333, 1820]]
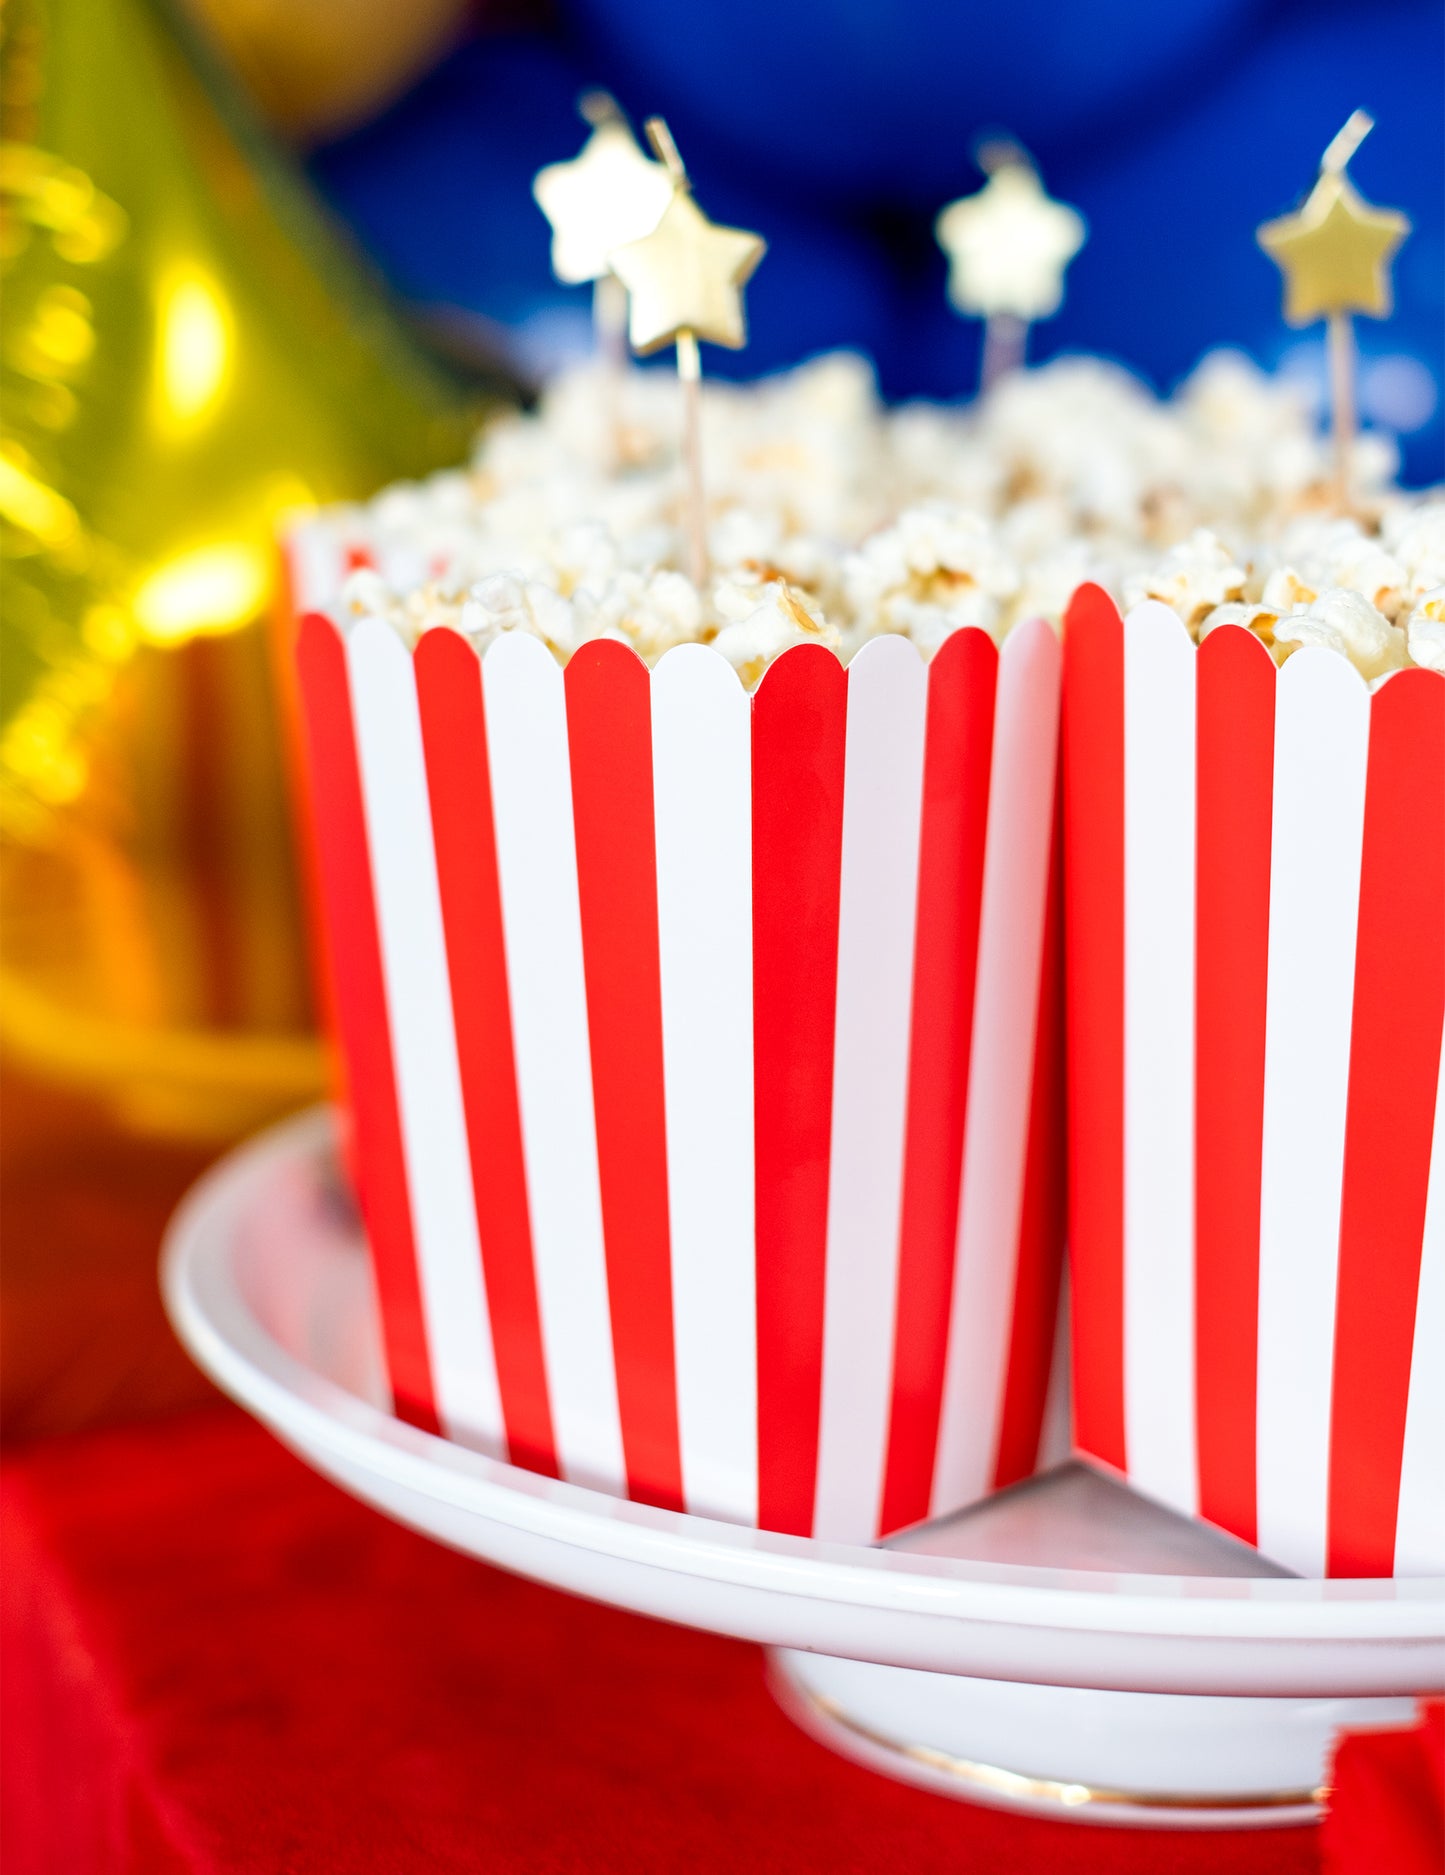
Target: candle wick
[[1343, 146], [660, 137]]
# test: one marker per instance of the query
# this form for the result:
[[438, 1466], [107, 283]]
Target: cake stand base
[[1158, 1760]]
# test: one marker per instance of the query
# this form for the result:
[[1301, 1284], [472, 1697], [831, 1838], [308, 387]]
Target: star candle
[[609, 194], [685, 278], [1334, 253], [685, 282], [1007, 247]]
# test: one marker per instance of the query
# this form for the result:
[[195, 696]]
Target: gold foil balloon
[[189, 353]]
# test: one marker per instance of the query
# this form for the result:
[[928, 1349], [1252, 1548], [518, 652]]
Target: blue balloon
[[879, 101], [839, 129]]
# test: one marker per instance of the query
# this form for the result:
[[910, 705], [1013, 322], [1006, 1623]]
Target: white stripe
[[1159, 1406], [702, 782], [423, 1038], [401, 564], [877, 915], [1001, 1065], [531, 777], [314, 565], [1420, 1521], [1322, 721]]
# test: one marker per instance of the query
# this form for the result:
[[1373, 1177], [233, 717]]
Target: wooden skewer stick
[[689, 374], [1340, 345], [609, 296], [684, 283], [1005, 340], [1340, 332], [609, 321], [1334, 253]]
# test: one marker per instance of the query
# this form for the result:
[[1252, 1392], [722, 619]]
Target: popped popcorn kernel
[[1425, 630], [1259, 619], [781, 621], [1192, 578], [1346, 622]]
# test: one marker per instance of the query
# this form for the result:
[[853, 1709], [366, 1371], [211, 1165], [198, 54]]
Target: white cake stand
[[1067, 1649]]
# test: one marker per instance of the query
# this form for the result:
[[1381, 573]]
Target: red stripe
[[609, 730], [1394, 1074], [454, 735], [799, 718], [1042, 1221], [282, 635], [1094, 937], [958, 748], [1235, 753], [353, 946]]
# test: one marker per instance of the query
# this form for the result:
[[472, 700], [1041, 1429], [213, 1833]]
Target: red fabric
[[1387, 1809], [213, 1661]]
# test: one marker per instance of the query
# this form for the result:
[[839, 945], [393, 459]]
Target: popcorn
[[937, 569], [502, 604], [1363, 566], [1416, 536], [366, 594], [781, 621], [1425, 631], [1346, 622], [651, 612], [1192, 579], [1259, 619], [919, 521], [1285, 591]]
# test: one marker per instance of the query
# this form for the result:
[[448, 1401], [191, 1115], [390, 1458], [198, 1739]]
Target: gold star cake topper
[[687, 275], [610, 193], [685, 282], [1334, 254], [1007, 248], [1334, 251]]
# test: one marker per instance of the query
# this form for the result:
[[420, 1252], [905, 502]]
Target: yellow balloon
[[190, 352]]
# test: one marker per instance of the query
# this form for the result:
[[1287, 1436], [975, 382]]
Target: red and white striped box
[[1255, 865], [704, 1055], [317, 554]]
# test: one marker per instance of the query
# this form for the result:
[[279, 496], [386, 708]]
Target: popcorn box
[[1255, 863], [704, 1055]]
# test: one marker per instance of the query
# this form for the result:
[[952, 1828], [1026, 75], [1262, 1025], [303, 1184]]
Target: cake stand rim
[[330, 1427]]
